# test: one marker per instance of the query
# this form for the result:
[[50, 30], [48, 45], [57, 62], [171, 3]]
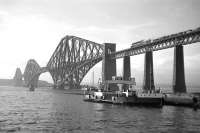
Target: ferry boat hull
[[133, 100], [156, 102], [123, 95]]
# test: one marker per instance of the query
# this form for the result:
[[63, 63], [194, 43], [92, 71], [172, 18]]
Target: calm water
[[47, 110]]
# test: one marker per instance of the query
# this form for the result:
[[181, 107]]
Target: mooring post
[[148, 83], [178, 84], [126, 70], [108, 64]]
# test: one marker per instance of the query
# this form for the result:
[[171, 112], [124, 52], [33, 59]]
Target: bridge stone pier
[[126, 69], [34, 82], [178, 84], [108, 64], [148, 83]]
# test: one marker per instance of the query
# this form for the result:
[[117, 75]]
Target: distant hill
[[6, 82], [42, 83], [10, 82]]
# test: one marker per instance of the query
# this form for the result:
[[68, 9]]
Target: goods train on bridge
[[163, 38]]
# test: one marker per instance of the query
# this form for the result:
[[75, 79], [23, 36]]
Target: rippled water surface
[[47, 110]]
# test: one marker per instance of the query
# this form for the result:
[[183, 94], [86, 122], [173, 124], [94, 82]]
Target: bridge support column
[[178, 72], [108, 64], [61, 86], [148, 83], [31, 87], [35, 81], [126, 70]]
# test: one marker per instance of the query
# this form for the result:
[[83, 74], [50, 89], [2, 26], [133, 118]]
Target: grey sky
[[33, 28]]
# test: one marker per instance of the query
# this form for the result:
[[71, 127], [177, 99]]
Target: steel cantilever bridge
[[68, 65], [74, 57]]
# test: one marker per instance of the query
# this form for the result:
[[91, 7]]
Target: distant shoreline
[[11, 82], [164, 87]]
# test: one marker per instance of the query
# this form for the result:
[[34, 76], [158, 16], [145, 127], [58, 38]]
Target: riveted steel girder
[[72, 59], [182, 38], [32, 68], [18, 78], [32, 73]]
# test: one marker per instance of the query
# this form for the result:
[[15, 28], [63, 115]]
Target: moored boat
[[129, 96]]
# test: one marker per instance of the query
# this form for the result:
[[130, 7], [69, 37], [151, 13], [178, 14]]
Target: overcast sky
[[31, 29]]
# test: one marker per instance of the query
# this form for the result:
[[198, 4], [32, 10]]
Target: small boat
[[128, 96]]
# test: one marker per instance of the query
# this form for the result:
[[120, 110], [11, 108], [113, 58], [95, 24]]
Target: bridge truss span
[[32, 73], [182, 38], [72, 59]]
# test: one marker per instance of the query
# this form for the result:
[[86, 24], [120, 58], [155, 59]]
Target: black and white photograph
[[99, 66]]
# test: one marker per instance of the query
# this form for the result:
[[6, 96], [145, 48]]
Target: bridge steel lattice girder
[[66, 63], [182, 38], [32, 68], [32, 73], [18, 78], [75, 56]]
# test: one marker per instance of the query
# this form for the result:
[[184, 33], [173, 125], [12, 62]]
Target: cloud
[[3, 15]]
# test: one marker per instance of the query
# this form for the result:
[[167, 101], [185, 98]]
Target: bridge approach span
[[182, 38]]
